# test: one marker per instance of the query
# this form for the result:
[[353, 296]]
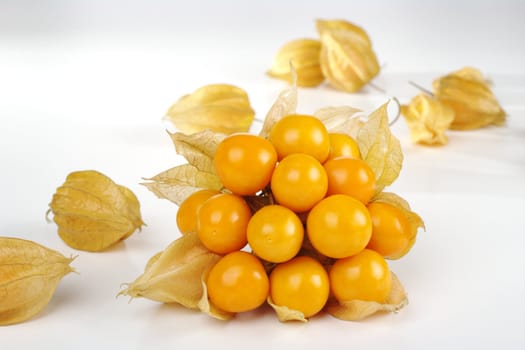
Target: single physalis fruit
[[187, 213], [275, 233], [238, 283], [298, 133], [304, 55], [298, 182], [29, 276], [469, 94], [364, 276], [222, 108], [350, 176], [92, 212], [343, 145], [222, 221], [347, 60], [391, 231], [244, 163], [388, 218], [339, 226], [300, 284]]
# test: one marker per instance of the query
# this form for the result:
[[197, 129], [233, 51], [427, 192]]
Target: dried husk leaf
[[427, 119], [471, 98], [414, 219], [152, 260], [176, 275], [347, 59], [341, 24], [343, 119], [285, 314], [222, 108], [205, 306], [29, 276], [177, 183], [304, 55], [199, 148], [92, 212], [380, 148], [355, 310], [471, 73], [285, 104]]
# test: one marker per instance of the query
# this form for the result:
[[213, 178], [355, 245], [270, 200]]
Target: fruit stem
[[422, 89], [398, 111]]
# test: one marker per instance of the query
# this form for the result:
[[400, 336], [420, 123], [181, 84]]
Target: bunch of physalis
[[295, 217]]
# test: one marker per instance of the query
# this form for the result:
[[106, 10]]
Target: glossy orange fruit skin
[[275, 233], [339, 226], [299, 182], [343, 145], [222, 221], [300, 284], [298, 133], [238, 283], [244, 163], [364, 276], [391, 231], [350, 176], [187, 213]]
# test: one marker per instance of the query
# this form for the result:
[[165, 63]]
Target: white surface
[[83, 85]]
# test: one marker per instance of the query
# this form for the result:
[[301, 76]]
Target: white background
[[84, 84]]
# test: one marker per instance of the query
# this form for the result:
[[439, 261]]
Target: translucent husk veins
[[92, 212], [29, 276], [304, 54], [222, 108], [177, 275]]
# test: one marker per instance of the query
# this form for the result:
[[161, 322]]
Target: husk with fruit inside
[[29, 275], [92, 212]]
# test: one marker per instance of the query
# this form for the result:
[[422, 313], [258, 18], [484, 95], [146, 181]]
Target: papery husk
[[379, 148], [177, 183], [341, 24], [285, 314], [427, 119], [413, 218], [29, 276], [342, 119], [347, 59], [356, 310], [92, 212], [469, 94], [304, 55], [199, 148], [285, 104], [176, 276], [204, 305], [222, 108]]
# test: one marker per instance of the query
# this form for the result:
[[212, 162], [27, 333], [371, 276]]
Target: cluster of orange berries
[[318, 190]]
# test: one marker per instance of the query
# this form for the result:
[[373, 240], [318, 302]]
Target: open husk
[[355, 310], [176, 275]]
